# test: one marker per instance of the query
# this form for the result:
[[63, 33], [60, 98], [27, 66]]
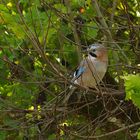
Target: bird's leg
[[68, 95], [84, 93], [98, 90], [79, 97]]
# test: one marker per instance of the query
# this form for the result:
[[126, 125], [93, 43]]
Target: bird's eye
[[93, 54], [93, 50]]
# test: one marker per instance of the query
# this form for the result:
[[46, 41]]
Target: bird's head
[[97, 51]]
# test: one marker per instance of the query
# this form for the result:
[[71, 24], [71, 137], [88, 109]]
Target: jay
[[92, 68]]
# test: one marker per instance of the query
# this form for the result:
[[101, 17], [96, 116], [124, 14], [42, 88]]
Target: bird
[[92, 68]]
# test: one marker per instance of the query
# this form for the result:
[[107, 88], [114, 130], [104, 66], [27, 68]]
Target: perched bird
[[92, 68]]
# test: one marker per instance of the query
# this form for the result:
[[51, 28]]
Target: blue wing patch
[[79, 72]]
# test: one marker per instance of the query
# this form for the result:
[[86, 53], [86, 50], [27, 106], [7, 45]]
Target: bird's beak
[[88, 49]]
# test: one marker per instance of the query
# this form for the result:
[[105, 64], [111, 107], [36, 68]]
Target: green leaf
[[10, 122], [70, 54], [77, 3], [132, 88], [138, 134], [61, 7], [3, 135], [52, 137], [91, 30]]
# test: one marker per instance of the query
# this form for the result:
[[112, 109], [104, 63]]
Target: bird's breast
[[94, 73]]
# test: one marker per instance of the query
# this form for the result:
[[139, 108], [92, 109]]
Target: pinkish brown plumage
[[93, 68]]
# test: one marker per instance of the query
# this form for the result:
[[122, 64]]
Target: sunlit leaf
[[132, 88], [91, 30]]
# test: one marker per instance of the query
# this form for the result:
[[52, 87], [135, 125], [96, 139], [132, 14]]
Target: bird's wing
[[79, 72]]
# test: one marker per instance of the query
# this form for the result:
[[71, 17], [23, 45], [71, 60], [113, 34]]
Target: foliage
[[41, 43], [138, 135], [132, 88]]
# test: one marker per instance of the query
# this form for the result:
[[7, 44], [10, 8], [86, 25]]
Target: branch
[[107, 31], [102, 20], [108, 134]]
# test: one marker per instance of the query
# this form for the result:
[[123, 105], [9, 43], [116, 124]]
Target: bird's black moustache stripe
[[93, 54]]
